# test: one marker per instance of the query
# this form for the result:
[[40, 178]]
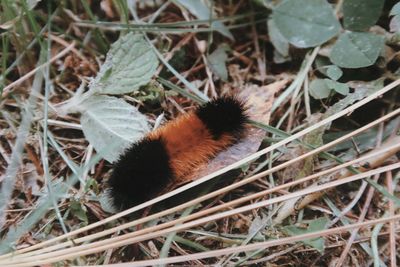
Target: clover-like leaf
[[340, 88], [334, 72], [306, 23], [322, 88], [278, 41], [319, 89], [356, 49], [359, 15]]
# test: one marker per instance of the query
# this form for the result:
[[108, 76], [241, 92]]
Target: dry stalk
[[226, 189], [256, 155], [367, 203], [256, 246], [392, 225], [130, 238], [293, 205], [194, 215]]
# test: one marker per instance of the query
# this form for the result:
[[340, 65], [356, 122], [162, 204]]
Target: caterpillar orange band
[[169, 153]]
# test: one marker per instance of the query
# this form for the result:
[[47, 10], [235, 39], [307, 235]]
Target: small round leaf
[[334, 72], [319, 89], [306, 23], [356, 49], [340, 88]]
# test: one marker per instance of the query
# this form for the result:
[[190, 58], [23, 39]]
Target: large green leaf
[[130, 63], [322, 88], [359, 15], [306, 23], [356, 49], [110, 124]]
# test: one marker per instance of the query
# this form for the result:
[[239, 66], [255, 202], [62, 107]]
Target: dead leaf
[[259, 100], [106, 6]]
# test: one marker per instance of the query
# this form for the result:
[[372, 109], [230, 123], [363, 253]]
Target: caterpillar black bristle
[[171, 152]]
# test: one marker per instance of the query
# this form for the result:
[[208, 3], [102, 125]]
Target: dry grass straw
[[256, 246], [394, 147], [392, 226], [153, 232], [41, 256], [8, 88]]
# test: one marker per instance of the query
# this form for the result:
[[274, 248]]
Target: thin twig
[[367, 202], [133, 238], [252, 247], [212, 175], [195, 215], [392, 225]]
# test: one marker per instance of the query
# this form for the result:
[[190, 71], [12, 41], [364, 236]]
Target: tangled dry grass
[[315, 184]]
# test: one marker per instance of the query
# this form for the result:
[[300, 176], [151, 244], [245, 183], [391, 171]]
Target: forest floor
[[314, 183]]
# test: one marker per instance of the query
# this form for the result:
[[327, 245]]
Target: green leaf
[[92, 184], [322, 64], [306, 23], [395, 10], [202, 11], [356, 49], [217, 60], [130, 63], [79, 211], [359, 15], [319, 89], [361, 91], [111, 125], [314, 226], [334, 72], [395, 24], [395, 21], [322, 88], [278, 41], [341, 88]]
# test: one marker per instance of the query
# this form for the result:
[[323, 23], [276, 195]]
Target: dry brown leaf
[[106, 6], [259, 100]]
